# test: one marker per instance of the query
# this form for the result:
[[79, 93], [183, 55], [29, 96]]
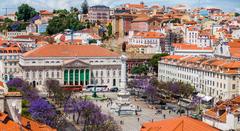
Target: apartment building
[[9, 58], [99, 13], [214, 77]]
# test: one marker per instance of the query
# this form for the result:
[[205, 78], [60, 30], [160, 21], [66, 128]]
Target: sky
[[227, 5]]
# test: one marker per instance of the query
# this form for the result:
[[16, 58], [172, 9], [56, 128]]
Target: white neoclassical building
[[72, 65], [215, 77]]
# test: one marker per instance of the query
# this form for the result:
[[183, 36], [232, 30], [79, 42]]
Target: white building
[[228, 50], [224, 115], [71, 65], [9, 58], [236, 34], [191, 50], [191, 35], [154, 41], [214, 77], [79, 37]]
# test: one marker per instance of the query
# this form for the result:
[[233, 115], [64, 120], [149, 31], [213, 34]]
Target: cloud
[[60, 4]]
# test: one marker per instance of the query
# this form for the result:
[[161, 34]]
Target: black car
[[114, 89]]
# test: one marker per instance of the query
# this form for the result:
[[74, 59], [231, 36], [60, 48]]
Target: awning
[[207, 98]]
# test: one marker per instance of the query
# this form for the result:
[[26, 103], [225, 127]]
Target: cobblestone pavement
[[131, 123]]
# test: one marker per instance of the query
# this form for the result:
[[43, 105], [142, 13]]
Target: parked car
[[114, 89]]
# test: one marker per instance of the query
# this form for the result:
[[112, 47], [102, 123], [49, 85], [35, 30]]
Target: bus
[[99, 88]]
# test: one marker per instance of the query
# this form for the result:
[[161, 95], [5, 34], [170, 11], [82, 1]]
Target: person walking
[[164, 116], [138, 119]]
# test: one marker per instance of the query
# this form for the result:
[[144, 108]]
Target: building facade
[[154, 40], [214, 77], [72, 65], [224, 115], [99, 13], [9, 58]]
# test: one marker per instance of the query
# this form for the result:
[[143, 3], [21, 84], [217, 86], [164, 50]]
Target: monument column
[[123, 72]]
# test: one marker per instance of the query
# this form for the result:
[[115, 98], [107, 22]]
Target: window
[[52, 74], [27, 74], [40, 74], [101, 73], [108, 73], [47, 74], [113, 73], [233, 86], [58, 75], [234, 77], [96, 73]]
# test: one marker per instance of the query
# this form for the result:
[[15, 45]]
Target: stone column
[[84, 78], [79, 80], [68, 83], [123, 72], [74, 76], [90, 76]]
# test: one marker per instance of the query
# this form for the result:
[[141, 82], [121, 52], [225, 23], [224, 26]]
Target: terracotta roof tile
[[149, 35], [183, 46], [10, 125], [13, 94], [183, 123], [140, 6], [64, 50]]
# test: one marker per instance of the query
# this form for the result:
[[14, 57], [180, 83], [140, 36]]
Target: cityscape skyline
[[226, 5]]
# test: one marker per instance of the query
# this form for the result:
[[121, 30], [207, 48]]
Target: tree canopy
[[64, 20], [154, 61], [25, 12], [138, 70]]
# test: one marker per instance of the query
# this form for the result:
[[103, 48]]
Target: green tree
[[61, 12], [6, 24], [153, 62], [64, 20], [25, 12], [85, 7], [139, 70], [109, 28], [237, 14]]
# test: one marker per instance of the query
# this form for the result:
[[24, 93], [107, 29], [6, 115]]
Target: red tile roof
[[149, 35], [65, 50], [8, 125], [184, 46], [140, 6], [183, 123]]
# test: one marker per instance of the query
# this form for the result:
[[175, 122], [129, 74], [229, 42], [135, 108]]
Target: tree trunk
[[78, 117]]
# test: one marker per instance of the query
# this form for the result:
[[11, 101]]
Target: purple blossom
[[174, 88], [42, 111]]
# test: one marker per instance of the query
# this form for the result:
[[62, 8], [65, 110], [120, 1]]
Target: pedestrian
[[138, 119], [169, 111], [164, 116]]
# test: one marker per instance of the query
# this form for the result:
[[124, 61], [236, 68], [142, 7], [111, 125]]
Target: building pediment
[[75, 63]]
